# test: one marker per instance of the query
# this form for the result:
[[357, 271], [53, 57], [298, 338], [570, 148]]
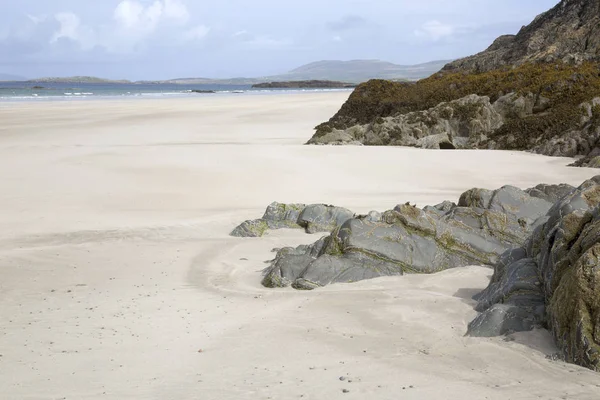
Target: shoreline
[[169, 95]]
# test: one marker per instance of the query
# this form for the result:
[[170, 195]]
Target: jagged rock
[[508, 199], [410, 240], [276, 216], [569, 32], [550, 193], [313, 218], [251, 228], [554, 280], [321, 218]]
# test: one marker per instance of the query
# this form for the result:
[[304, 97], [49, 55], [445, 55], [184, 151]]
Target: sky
[[162, 39]]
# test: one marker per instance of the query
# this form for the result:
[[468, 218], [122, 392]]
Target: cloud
[[133, 15], [69, 24], [240, 33], [435, 30], [197, 33], [347, 23]]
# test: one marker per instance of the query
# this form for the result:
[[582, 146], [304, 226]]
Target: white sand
[[117, 267]]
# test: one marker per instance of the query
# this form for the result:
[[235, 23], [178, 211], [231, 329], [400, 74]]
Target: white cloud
[[71, 28], [337, 39], [69, 24], [197, 33], [435, 30], [176, 10], [133, 15], [36, 19]]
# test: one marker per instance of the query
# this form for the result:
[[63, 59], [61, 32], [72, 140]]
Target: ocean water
[[25, 91]]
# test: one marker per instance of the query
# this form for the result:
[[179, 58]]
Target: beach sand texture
[[119, 279]]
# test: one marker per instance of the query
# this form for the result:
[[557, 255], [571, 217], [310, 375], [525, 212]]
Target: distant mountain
[[355, 71], [76, 79], [362, 70], [11, 78]]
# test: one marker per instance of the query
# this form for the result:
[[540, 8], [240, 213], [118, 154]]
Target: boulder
[[277, 216], [312, 218]]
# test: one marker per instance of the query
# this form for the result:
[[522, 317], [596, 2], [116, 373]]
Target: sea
[[53, 91]]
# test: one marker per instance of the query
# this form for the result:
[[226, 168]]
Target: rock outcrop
[[447, 126], [569, 32], [544, 83], [313, 218], [543, 243], [552, 281], [477, 231]]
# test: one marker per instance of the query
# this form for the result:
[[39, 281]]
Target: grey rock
[[276, 216], [554, 280], [313, 218], [251, 228], [410, 240], [323, 218], [502, 319], [550, 193]]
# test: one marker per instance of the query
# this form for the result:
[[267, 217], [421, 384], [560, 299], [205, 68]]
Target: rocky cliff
[[569, 32], [544, 84]]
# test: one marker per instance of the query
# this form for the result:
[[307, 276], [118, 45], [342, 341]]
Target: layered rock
[[451, 125], [313, 218], [552, 281], [477, 231]]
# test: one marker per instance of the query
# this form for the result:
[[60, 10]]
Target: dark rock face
[[568, 32], [553, 280], [483, 226], [313, 218]]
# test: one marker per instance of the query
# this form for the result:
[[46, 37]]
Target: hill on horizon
[[363, 70], [353, 71]]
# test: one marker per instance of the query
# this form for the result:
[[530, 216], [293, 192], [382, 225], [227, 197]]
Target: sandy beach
[[120, 281]]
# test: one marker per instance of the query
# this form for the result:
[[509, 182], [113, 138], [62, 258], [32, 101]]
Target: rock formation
[[313, 218], [406, 239], [552, 281], [543, 243], [542, 88]]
